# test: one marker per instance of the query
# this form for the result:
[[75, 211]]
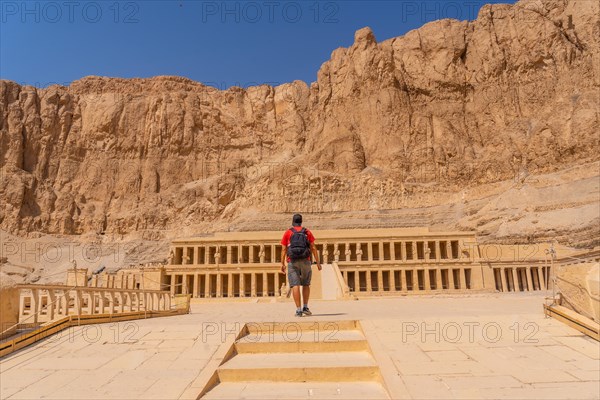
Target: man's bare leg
[[305, 294], [296, 294]]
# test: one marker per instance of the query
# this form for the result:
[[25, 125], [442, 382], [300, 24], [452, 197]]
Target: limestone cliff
[[447, 126]]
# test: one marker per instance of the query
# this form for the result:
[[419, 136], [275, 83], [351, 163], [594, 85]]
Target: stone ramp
[[292, 360]]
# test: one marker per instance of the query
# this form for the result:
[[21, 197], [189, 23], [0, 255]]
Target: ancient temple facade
[[364, 262], [246, 264]]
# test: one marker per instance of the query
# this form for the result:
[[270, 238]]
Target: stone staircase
[[307, 359]]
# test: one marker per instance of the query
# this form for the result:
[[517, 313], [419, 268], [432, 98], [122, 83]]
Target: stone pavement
[[481, 346]]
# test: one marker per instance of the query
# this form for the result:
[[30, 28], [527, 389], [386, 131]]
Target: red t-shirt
[[285, 241]]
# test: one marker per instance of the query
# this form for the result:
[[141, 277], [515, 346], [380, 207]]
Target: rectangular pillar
[[392, 280], [230, 285], [505, 287], [242, 285], [438, 279], [219, 287], [368, 278], [207, 286], [410, 272], [196, 285], [253, 285], [463, 283], [356, 281], [380, 280], [515, 278], [403, 247], [265, 284], [540, 273]]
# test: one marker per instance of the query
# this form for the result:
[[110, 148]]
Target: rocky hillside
[[458, 125]]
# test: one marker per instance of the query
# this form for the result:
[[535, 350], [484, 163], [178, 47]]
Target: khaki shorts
[[299, 273]]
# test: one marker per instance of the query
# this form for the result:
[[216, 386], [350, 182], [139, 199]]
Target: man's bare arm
[[315, 254], [283, 258]]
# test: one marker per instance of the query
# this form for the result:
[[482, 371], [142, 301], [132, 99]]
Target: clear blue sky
[[220, 43]]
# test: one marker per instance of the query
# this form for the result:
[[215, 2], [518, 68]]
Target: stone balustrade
[[43, 303]]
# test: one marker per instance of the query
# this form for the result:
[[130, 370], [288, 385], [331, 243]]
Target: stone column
[[265, 284], [277, 283], [253, 285], [207, 285], [369, 286], [356, 281], [527, 273], [251, 254], [426, 251], [370, 251], [219, 285], [503, 279], [426, 282], [229, 255], [230, 285], [242, 285], [463, 283], [184, 289], [515, 279], [379, 280], [449, 249], [403, 280], [438, 253], [173, 284], [438, 279], [392, 250], [381, 255], [451, 279], [392, 280], [414, 250], [403, 248], [408, 272], [540, 274], [195, 292]]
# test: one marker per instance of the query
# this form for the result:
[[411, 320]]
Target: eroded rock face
[[410, 122]]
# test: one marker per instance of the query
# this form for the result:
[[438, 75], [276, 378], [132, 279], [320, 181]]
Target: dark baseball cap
[[297, 219]]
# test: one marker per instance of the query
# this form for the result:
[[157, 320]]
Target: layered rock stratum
[[490, 125]]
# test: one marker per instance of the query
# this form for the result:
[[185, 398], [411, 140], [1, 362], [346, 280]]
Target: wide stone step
[[300, 367], [298, 390], [303, 341]]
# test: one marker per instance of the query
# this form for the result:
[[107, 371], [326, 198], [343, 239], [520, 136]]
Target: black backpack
[[299, 247]]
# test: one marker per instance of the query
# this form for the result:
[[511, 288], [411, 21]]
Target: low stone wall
[[579, 286], [9, 309]]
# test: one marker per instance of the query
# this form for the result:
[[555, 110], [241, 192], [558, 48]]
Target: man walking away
[[297, 245]]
